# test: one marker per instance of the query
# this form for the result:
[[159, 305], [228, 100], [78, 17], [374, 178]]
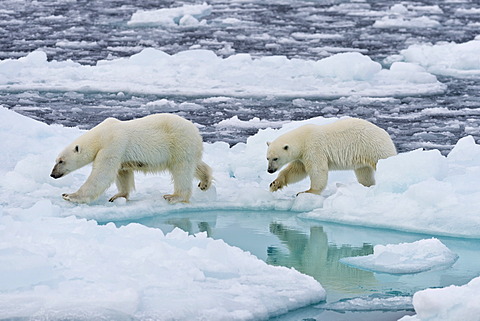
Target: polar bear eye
[[275, 159], [60, 161]]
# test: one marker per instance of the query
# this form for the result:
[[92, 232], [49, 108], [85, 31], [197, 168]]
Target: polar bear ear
[[268, 143], [76, 149], [285, 147]]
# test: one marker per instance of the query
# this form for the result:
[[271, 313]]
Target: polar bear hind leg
[[182, 175], [204, 173], [125, 183], [365, 175], [318, 179]]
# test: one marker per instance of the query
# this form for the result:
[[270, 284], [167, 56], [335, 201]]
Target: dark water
[[87, 31]]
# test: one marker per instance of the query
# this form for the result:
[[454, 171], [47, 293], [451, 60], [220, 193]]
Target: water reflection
[[313, 255], [278, 239], [314, 248]]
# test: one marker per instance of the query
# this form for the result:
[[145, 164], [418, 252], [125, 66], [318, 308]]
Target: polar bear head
[[71, 158], [279, 153]]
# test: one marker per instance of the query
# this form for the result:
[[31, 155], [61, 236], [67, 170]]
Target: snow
[[203, 73], [419, 256], [252, 123], [186, 15], [401, 22], [416, 191], [450, 303], [136, 271], [54, 265], [469, 11], [401, 16], [446, 58], [372, 304], [88, 269], [89, 266]]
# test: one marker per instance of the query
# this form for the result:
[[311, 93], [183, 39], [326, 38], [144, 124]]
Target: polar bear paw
[[74, 198], [310, 191], [276, 185], [173, 198], [204, 185], [118, 195]]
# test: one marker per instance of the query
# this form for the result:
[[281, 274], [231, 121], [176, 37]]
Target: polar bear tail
[[204, 173]]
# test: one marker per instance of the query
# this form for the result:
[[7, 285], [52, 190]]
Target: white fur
[[150, 144], [313, 150]]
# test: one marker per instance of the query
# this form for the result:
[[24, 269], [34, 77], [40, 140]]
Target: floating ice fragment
[[405, 258], [449, 303], [186, 15], [450, 59], [203, 73]]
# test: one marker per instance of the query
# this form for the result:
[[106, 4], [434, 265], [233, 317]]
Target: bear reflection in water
[[309, 253], [314, 255]]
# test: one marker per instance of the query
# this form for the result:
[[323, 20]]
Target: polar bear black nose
[[271, 170], [54, 175]]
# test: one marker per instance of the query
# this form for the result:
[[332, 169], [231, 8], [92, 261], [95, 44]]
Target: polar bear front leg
[[125, 184], [294, 172], [278, 183], [102, 176]]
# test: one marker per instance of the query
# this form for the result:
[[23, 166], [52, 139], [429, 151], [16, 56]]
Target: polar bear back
[[348, 143], [163, 139], [152, 143]]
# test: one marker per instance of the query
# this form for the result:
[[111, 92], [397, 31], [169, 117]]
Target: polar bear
[[150, 144], [313, 150]]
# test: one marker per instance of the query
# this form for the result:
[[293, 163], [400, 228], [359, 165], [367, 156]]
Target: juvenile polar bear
[[150, 144], [313, 150]]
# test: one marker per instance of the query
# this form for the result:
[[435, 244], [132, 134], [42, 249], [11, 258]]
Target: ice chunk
[[405, 258], [186, 15], [54, 264], [450, 303], [409, 16], [450, 59], [202, 72], [252, 123], [418, 22]]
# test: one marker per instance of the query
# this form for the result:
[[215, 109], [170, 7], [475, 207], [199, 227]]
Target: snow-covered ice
[[372, 304], [416, 191], [450, 303], [419, 256], [66, 266], [203, 73], [459, 60], [421, 191], [186, 15], [55, 265], [411, 16], [252, 123]]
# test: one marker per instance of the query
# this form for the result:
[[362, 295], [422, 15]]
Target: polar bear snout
[[56, 173], [271, 170]]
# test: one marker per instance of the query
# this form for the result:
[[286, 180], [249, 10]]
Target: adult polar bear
[[313, 150], [150, 144]]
